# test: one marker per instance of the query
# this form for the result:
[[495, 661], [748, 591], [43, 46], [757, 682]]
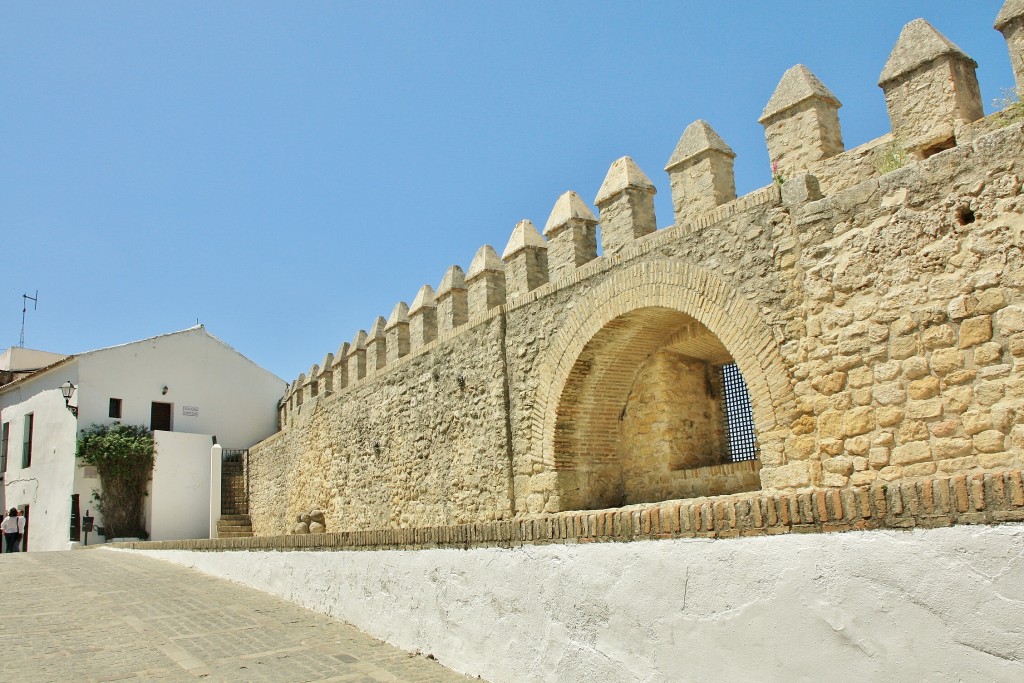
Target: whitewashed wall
[[178, 506], [47, 484], [212, 388], [940, 604]]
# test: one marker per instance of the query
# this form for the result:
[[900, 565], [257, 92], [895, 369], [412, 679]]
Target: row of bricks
[[981, 498]]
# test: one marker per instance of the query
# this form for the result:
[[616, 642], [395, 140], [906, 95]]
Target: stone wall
[[877, 317]]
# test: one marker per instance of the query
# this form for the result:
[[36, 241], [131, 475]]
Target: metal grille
[[738, 415]]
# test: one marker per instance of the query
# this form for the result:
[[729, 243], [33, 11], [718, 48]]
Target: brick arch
[[625, 318]]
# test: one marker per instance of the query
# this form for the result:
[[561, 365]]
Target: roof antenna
[[25, 298]]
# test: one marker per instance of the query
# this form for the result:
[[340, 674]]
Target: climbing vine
[[123, 456]]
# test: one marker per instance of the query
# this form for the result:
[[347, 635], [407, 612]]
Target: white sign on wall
[[190, 411]]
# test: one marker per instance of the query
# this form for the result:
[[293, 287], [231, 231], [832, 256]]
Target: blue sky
[[285, 172]]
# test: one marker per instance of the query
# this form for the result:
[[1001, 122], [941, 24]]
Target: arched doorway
[[636, 410]]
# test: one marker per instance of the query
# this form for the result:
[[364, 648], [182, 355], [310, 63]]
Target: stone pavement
[[101, 615]]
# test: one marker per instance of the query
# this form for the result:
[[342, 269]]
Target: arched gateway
[[634, 410]]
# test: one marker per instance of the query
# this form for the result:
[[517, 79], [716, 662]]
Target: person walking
[[21, 531], [9, 527]]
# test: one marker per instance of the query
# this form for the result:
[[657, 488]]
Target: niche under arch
[[643, 416]]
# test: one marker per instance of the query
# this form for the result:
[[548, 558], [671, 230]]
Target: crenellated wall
[[875, 311]]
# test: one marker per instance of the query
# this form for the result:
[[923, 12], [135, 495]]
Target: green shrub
[[890, 157], [123, 455]]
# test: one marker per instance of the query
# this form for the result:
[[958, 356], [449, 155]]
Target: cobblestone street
[[99, 615]]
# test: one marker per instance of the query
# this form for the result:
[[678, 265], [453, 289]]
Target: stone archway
[[671, 321]]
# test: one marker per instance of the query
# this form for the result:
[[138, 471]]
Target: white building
[[189, 387]]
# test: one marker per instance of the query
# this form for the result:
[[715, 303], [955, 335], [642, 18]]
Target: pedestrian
[[21, 531], [9, 527]]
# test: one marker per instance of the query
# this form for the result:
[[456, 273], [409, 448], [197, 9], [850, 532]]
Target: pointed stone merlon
[[357, 358], [339, 367], [376, 346], [526, 260], [700, 172], [801, 122], [422, 318], [397, 332], [325, 380], [485, 282], [311, 387], [931, 90], [297, 389], [1010, 22], [572, 235], [452, 306], [626, 205]]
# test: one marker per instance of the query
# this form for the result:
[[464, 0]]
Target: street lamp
[[67, 390]]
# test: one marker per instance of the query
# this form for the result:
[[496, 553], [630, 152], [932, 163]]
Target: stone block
[[907, 454], [974, 331], [927, 387]]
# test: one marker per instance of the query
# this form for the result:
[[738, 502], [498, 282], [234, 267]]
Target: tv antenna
[[25, 298]]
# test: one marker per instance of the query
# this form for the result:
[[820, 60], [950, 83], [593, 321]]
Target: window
[[739, 415], [26, 446], [115, 408], [5, 437]]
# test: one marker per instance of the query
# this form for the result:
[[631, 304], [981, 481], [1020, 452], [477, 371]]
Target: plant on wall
[[123, 456]]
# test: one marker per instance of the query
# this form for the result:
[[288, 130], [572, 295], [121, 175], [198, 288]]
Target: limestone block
[[1009, 320], [927, 387], [626, 204], [526, 259], [907, 454], [571, 231], [1010, 22], [990, 300], [422, 318], [800, 189], [945, 361], [397, 333], [974, 331], [801, 123], [943, 449], [791, 476], [317, 528], [700, 172], [452, 303], [485, 282], [859, 421], [931, 90], [990, 441], [915, 368], [376, 346]]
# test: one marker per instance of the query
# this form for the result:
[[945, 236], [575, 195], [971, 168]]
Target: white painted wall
[[46, 486], [226, 395], [234, 398], [939, 604], [178, 505]]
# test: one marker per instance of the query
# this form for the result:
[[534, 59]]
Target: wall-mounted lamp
[[67, 390], [164, 390]]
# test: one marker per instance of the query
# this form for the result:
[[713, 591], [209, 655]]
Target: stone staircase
[[234, 502]]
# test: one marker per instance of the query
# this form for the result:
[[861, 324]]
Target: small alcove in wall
[[654, 408]]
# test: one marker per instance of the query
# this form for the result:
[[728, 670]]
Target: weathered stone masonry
[[877, 318]]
